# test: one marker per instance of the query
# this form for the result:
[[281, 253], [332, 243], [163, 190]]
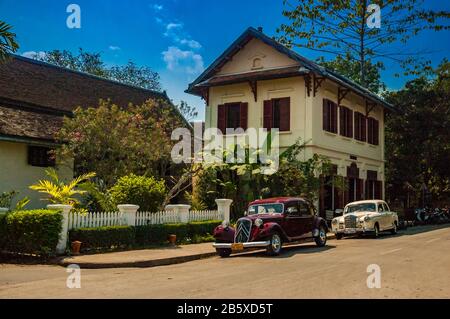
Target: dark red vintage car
[[269, 223]]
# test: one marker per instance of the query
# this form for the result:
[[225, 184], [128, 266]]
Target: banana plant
[[59, 192]]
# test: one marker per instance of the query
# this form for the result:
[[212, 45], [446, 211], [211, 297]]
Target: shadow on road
[[288, 251]]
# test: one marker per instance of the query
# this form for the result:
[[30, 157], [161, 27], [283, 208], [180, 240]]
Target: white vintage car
[[365, 217]]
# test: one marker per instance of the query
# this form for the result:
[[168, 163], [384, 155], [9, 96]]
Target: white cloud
[[114, 48], [34, 54], [191, 43], [172, 26], [185, 61], [158, 7]]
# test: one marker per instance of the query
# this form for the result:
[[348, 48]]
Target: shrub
[[153, 234], [126, 236], [147, 192], [103, 237], [31, 231]]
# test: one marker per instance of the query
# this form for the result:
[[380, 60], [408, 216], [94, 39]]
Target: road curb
[[139, 263]]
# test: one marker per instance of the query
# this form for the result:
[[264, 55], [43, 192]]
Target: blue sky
[[177, 38]]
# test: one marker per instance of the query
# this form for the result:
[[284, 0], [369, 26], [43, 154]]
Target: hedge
[[125, 236], [30, 231], [103, 237]]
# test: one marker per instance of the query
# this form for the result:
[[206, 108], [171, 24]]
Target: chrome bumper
[[350, 231], [251, 244]]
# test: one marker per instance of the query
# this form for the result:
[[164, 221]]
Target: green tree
[[188, 111], [339, 28], [418, 138], [114, 142], [8, 42], [350, 68], [92, 63]]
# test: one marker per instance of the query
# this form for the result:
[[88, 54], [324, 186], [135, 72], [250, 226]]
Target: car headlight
[[225, 224], [258, 222]]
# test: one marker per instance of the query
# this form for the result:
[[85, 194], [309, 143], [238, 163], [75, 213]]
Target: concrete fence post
[[181, 210], [129, 212], [65, 209], [223, 207]]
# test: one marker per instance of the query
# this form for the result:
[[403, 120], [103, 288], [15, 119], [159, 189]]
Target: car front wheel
[[321, 239], [275, 245], [376, 231], [223, 252], [394, 230]]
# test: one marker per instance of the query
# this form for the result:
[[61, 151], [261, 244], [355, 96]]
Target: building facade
[[259, 83], [34, 98]]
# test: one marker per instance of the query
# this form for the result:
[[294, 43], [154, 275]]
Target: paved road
[[414, 264]]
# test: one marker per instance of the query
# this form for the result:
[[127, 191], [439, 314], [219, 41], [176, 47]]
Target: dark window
[[346, 121], [304, 209], [329, 116], [232, 115], [372, 131], [360, 127], [40, 156], [277, 114]]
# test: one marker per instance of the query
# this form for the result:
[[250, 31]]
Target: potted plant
[[172, 239], [76, 245]]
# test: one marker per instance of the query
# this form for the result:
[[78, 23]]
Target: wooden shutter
[[333, 117], [359, 189], [222, 118], [326, 115], [375, 132], [268, 114], [378, 190], [369, 130], [349, 120], [363, 123], [244, 115], [357, 126], [342, 125], [285, 114]]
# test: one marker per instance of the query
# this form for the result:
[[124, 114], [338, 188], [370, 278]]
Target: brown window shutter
[[363, 128], [268, 114], [359, 189], [334, 117], [222, 118], [349, 119], [285, 114], [375, 132], [378, 190], [326, 115], [342, 126], [369, 130], [357, 125], [366, 189], [244, 115]]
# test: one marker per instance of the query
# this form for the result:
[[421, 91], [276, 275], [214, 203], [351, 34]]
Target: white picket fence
[[99, 219]]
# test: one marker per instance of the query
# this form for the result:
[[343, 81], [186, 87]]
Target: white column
[[128, 212], [181, 210], [65, 209], [223, 206]]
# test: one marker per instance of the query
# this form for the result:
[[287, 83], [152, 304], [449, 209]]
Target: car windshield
[[363, 207], [265, 209]]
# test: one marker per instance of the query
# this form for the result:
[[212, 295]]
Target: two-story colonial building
[[258, 82]]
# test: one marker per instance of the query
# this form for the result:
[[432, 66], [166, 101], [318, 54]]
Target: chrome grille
[[350, 221], [243, 229]]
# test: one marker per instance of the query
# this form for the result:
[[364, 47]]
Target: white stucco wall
[[17, 175]]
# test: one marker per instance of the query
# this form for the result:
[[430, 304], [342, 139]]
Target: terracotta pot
[[172, 239], [76, 247]]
